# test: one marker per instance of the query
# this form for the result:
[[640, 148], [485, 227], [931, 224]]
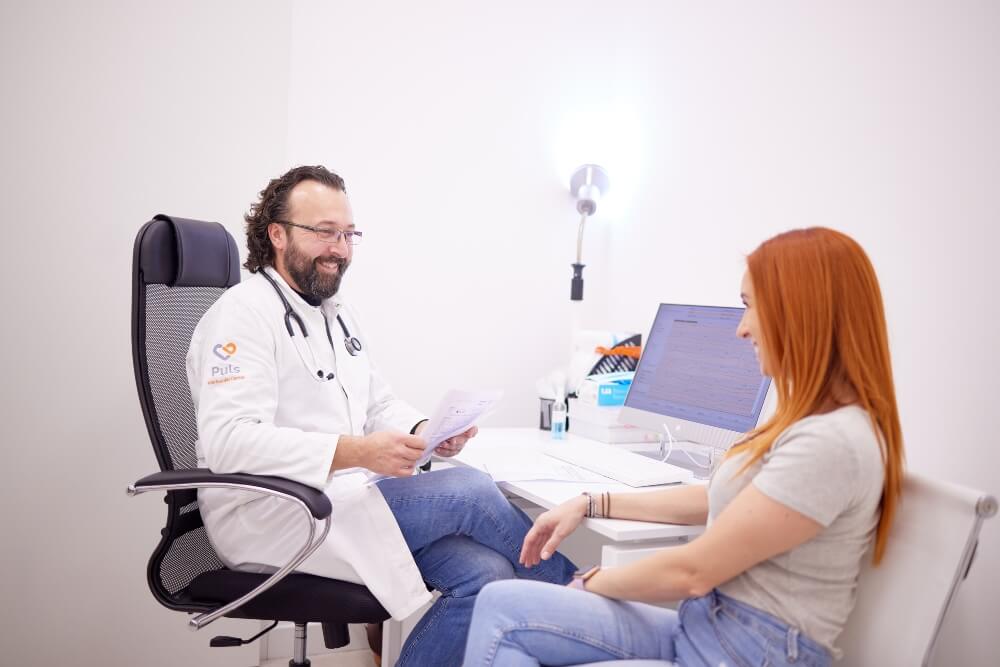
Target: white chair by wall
[[902, 603]]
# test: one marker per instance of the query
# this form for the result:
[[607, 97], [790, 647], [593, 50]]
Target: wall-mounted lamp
[[587, 185]]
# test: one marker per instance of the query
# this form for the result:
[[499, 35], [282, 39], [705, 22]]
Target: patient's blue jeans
[[463, 534], [524, 624]]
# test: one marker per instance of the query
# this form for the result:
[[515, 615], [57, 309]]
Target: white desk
[[624, 541]]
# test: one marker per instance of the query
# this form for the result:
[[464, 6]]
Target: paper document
[[456, 413]]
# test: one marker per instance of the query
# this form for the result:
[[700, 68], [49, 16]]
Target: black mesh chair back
[[180, 268]]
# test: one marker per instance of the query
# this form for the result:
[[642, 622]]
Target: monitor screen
[[694, 368]]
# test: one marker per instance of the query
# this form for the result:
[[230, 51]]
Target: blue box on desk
[[607, 389]]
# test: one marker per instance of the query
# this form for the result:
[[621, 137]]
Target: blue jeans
[[463, 534], [523, 623]]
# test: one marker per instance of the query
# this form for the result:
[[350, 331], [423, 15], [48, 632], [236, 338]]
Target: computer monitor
[[697, 377]]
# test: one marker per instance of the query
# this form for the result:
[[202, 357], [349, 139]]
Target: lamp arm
[[579, 240]]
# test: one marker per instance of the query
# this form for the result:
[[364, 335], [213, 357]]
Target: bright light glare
[[607, 135]]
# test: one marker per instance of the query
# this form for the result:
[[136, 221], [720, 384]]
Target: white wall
[[112, 112], [722, 124]]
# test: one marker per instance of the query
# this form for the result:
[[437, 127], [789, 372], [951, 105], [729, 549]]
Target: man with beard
[[283, 384]]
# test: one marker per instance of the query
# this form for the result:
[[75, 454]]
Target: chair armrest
[[308, 499], [172, 480]]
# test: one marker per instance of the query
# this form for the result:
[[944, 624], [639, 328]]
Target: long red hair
[[823, 327]]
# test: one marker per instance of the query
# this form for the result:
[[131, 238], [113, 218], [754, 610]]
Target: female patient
[[791, 510]]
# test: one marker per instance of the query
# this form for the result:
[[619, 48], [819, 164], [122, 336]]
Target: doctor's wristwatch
[[580, 577]]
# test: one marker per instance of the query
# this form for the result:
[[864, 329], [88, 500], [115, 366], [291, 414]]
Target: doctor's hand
[[455, 443], [393, 453], [383, 452], [550, 529]]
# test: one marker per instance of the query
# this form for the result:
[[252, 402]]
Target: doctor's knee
[[473, 482]]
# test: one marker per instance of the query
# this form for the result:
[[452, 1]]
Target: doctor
[[283, 385]]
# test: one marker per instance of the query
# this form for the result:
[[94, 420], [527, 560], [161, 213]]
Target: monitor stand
[[699, 459]]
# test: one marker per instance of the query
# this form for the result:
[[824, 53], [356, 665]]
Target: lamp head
[[587, 184]]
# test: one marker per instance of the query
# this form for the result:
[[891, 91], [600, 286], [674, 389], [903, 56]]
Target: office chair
[[902, 603], [179, 268]]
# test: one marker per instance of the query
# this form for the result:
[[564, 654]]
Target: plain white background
[[456, 125], [112, 112]]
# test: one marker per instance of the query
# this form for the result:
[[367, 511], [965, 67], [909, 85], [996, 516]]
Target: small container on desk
[[559, 419], [545, 413]]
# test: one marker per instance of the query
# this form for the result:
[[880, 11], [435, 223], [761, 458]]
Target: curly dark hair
[[273, 206]]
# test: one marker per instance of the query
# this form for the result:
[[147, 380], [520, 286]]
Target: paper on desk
[[457, 411], [538, 468]]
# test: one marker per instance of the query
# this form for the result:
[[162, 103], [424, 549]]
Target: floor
[[342, 659]]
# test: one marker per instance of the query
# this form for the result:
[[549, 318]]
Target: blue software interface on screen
[[695, 368]]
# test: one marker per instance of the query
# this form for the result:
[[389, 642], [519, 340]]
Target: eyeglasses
[[328, 234]]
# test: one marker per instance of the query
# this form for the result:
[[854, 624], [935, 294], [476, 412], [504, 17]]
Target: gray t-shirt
[[829, 468]]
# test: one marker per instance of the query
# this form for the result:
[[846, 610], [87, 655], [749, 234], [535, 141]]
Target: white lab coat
[[261, 410]]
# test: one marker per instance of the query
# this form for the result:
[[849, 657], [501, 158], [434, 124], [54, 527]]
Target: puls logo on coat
[[224, 372], [224, 351]]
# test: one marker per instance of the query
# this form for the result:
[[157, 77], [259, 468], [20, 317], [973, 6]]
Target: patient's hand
[[550, 529], [454, 444]]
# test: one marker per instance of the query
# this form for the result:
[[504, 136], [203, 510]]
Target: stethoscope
[[351, 343]]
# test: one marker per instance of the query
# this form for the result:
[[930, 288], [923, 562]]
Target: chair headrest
[[186, 253]]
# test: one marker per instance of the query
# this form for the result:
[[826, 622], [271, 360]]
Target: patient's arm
[[751, 528], [680, 504], [684, 504]]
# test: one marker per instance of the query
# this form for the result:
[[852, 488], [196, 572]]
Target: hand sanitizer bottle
[[559, 417]]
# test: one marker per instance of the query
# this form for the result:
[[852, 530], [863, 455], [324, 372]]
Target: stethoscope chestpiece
[[353, 345]]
